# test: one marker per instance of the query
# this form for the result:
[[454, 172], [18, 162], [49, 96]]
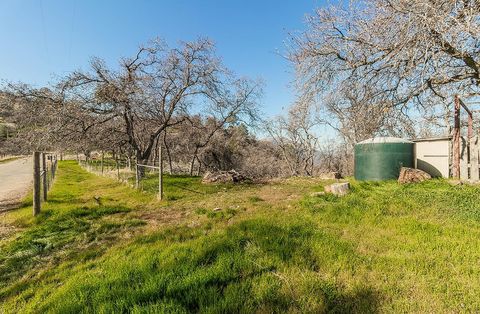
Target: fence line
[[119, 169], [131, 173], [149, 166], [42, 178], [160, 177], [139, 174], [112, 169]]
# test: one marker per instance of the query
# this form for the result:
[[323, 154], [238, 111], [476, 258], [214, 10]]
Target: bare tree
[[295, 135], [335, 155], [411, 52], [147, 90], [228, 107], [31, 116], [45, 120], [357, 114], [156, 88]]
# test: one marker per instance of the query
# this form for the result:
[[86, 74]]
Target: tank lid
[[386, 139]]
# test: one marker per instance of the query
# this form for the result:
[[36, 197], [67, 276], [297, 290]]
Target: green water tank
[[381, 158]]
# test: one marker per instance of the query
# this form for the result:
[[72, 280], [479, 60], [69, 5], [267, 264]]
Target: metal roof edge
[[385, 140], [431, 139]]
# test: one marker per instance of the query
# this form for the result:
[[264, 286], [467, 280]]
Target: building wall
[[433, 156]]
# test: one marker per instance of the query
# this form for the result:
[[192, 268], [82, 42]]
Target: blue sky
[[43, 38]]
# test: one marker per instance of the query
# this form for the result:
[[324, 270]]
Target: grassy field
[[99, 246]]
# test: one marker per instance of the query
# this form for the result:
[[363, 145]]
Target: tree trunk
[[199, 170], [167, 150], [117, 166], [87, 155], [36, 183], [155, 153], [192, 164], [140, 169], [129, 162]]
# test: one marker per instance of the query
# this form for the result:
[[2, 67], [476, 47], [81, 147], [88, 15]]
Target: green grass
[[180, 186], [9, 159], [72, 219], [176, 187], [265, 248]]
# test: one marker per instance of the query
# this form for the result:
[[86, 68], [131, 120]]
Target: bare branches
[[128, 107], [147, 90], [414, 53], [296, 138]]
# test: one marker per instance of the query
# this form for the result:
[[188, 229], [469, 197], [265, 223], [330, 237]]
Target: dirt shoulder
[[15, 181]]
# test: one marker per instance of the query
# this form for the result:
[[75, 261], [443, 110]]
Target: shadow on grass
[[255, 266], [55, 231], [364, 300]]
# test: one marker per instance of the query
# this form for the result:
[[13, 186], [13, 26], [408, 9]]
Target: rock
[[410, 175], [330, 175], [468, 182], [455, 182], [338, 189], [231, 176], [316, 194]]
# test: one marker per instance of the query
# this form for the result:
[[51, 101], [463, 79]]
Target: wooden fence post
[[463, 158], [137, 179], [101, 162], [118, 167], [36, 183], [52, 168], [160, 173], [474, 148], [44, 176], [456, 139]]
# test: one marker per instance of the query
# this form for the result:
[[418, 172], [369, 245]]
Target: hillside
[[101, 246]]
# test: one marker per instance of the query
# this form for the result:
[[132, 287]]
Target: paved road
[[15, 181]]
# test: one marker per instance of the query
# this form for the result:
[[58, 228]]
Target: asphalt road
[[15, 181]]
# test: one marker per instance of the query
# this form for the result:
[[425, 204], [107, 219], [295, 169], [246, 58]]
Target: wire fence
[[146, 177], [113, 168], [144, 170], [48, 175], [150, 177], [44, 171]]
